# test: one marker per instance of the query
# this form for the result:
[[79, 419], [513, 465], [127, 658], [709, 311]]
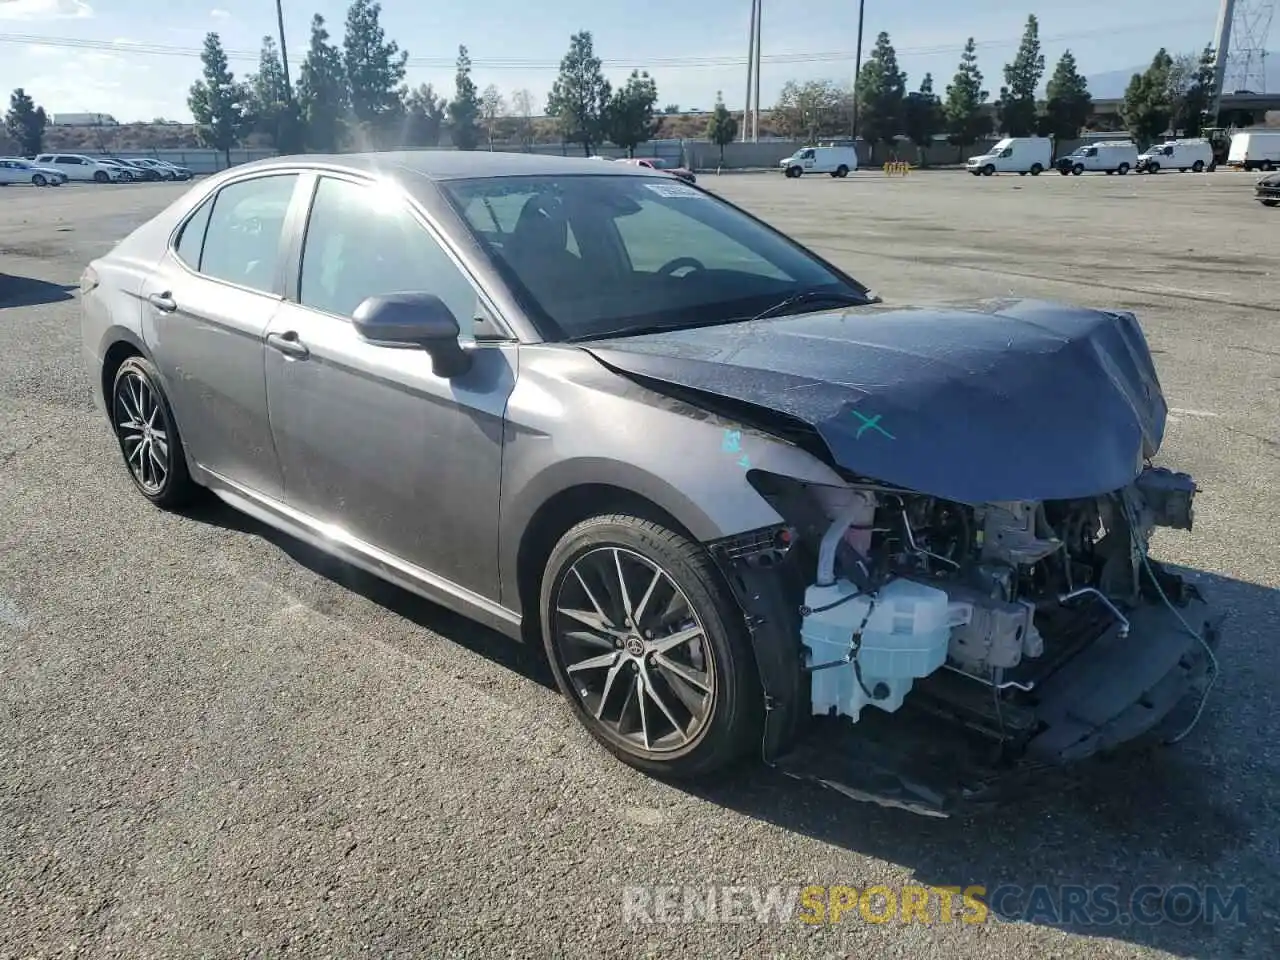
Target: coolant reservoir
[[905, 632]]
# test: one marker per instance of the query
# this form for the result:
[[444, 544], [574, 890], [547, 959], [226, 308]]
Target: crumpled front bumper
[[1121, 691]]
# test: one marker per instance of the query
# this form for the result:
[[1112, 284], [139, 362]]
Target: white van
[[837, 161], [77, 167], [1255, 150], [1023, 155], [1109, 156], [1180, 155]]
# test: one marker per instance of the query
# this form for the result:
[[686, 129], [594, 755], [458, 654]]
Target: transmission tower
[[1241, 44]]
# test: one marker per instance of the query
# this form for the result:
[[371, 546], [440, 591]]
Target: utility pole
[[284, 54], [857, 70], [1226, 13], [751, 65], [755, 114]]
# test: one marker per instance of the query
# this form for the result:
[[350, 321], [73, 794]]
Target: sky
[[136, 59]]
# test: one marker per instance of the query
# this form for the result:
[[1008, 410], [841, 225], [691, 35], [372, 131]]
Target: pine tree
[[1017, 105], [464, 108], [923, 115], [882, 91], [1068, 105], [629, 119], [722, 128], [579, 99], [375, 68], [322, 90], [25, 123], [1147, 108], [966, 121], [216, 101]]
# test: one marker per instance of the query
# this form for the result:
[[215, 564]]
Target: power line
[[513, 63]]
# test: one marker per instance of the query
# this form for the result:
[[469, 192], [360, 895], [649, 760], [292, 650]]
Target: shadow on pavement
[[1158, 818], [30, 292]]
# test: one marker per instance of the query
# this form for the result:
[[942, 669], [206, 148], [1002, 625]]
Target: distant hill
[[1112, 84]]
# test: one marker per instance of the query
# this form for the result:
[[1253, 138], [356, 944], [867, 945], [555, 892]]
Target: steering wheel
[[680, 263]]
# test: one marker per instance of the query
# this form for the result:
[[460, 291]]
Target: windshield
[[608, 255]]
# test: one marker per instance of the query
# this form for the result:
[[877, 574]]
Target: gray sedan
[[745, 507]]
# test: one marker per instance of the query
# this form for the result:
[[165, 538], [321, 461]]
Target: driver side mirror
[[415, 320]]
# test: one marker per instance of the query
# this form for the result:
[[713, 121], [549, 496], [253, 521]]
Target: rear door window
[[245, 226]]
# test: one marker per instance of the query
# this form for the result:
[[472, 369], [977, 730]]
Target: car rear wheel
[[100, 176], [842, 171], [39, 180], [148, 436], [1197, 167], [1267, 166], [1036, 169], [1122, 169], [649, 647]]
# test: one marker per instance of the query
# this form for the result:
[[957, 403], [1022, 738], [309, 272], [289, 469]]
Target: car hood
[[1270, 180], [999, 400]]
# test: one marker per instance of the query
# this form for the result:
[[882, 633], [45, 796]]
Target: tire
[[795, 172], [989, 170], [719, 656], [1036, 169], [842, 171], [1182, 169], [1122, 169], [1077, 170], [1022, 173], [39, 180], [1267, 166], [1268, 202], [1153, 168], [136, 390], [1198, 167], [100, 176], [1064, 171]]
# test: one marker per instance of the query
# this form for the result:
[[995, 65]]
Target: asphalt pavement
[[215, 743]]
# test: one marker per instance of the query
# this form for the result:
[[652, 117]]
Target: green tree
[[216, 101], [492, 107], [322, 91], [424, 117], [671, 109], [270, 110], [464, 108], [808, 109], [1192, 92], [629, 120], [375, 68], [25, 123], [580, 96], [923, 115], [522, 109], [882, 92], [1017, 105], [1068, 105], [722, 128], [1147, 106], [966, 120]]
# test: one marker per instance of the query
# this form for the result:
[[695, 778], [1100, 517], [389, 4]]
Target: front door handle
[[163, 302], [288, 344]]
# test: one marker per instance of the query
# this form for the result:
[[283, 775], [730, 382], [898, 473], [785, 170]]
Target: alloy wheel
[[143, 429], [634, 651]]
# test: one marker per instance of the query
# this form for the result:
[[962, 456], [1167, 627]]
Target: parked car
[[139, 171], [16, 170], [1021, 155], [1111, 156], [1180, 155], [1267, 190], [167, 170], [836, 161], [737, 498], [657, 163], [75, 166]]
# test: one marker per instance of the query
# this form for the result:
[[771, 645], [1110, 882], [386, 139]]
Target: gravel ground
[[214, 743]]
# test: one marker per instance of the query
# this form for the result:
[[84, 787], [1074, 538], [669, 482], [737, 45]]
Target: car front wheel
[[649, 647], [39, 180], [148, 436]]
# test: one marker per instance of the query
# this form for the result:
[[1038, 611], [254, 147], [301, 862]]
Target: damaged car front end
[[977, 601]]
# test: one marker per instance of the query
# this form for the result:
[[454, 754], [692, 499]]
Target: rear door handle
[[163, 302], [288, 344]]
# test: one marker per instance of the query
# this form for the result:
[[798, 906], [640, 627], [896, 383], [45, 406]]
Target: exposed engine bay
[[1043, 629]]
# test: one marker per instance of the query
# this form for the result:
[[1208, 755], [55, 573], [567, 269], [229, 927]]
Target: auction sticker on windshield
[[674, 190]]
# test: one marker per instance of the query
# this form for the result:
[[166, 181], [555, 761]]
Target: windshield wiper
[[816, 296]]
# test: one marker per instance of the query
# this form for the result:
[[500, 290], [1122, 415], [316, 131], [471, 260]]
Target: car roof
[[454, 164]]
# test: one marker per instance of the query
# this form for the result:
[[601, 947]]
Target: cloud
[[92, 81], [219, 14], [44, 10]]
